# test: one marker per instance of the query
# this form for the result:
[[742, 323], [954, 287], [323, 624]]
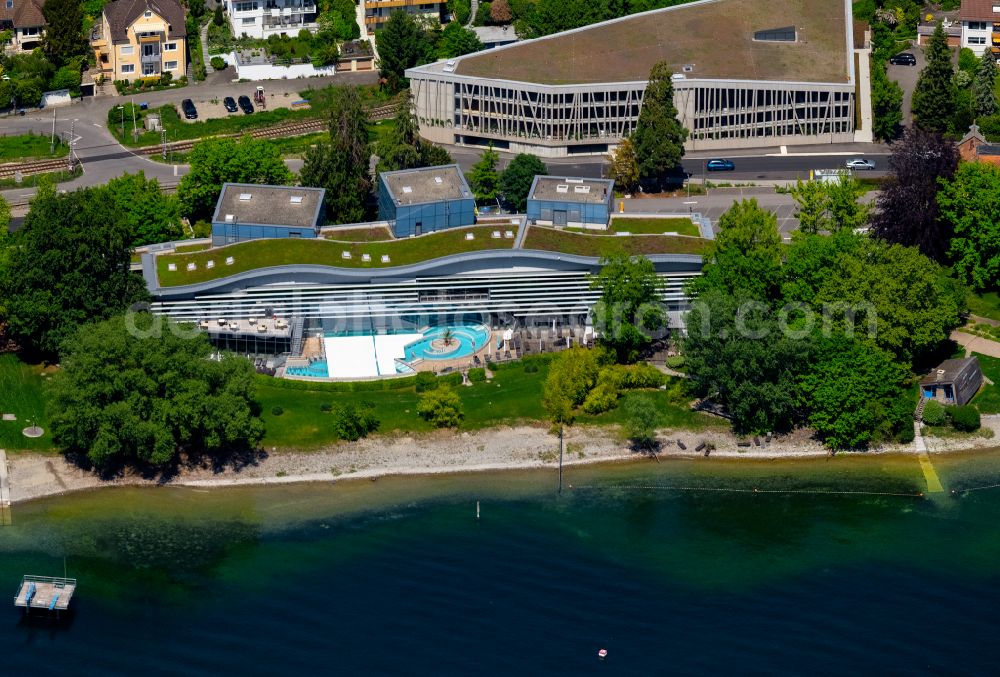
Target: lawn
[[654, 226], [30, 147], [988, 401], [360, 234], [279, 252], [33, 180], [674, 413], [22, 393], [552, 240], [986, 305]]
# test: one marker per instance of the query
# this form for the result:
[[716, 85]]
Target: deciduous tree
[[641, 416], [934, 95], [483, 177], [630, 311], [152, 216], [515, 182], [970, 206], [70, 266], [907, 210], [456, 41], [623, 166], [500, 12], [130, 394], [887, 104], [659, 136], [442, 407], [217, 161], [403, 148], [572, 375]]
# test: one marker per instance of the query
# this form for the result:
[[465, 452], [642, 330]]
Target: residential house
[[377, 12], [980, 25], [251, 212], [419, 201], [953, 382], [263, 18], [25, 20], [565, 201], [140, 39]]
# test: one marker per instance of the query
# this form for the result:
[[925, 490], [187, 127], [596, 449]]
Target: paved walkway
[[976, 344], [4, 490], [204, 48]]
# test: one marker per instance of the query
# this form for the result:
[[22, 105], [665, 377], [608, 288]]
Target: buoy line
[[985, 486], [839, 492]]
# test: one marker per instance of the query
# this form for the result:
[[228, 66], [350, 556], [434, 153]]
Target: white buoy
[[477, 509], [602, 654]]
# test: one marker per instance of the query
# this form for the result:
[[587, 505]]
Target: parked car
[[190, 112], [720, 166], [860, 163], [904, 59], [230, 104], [245, 104]]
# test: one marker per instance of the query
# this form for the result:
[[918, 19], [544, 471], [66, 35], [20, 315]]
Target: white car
[[859, 163]]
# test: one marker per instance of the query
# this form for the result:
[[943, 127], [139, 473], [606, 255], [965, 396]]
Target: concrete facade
[[264, 18], [252, 212], [553, 120], [565, 201]]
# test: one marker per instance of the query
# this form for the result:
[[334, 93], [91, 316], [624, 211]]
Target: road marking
[[95, 124], [809, 154], [784, 150]]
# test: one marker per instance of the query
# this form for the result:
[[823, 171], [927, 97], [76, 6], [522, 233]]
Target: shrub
[[631, 377], [326, 407], [675, 361], [426, 381], [442, 407], [277, 411], [477, 375], [202, 228], [934, 413], [531, 367], [218, 63], [905, 434], [601, 399], [354, 421], [964, 418]]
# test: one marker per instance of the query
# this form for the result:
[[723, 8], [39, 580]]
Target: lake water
[[681, 567]]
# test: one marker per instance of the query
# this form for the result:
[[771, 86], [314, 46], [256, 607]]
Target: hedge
[[401, 383], [964, 418], [477, 375]]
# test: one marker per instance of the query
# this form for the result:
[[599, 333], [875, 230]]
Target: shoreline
[[35, 476]]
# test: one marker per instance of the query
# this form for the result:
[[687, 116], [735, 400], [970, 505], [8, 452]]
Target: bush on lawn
[[218, 63], [442, 407], [477, 375], [277, 411], [675, 361], [964, 418], [934, 413]]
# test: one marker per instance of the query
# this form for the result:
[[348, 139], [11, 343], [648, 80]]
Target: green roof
[[715, 37]]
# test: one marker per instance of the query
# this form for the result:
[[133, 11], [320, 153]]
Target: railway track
[[289, 129], [8, 171]]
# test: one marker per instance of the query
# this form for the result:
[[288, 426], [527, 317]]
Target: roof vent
[[562, 188], [244, 197], [407, 189], [688, 67], [437, 179], [230, 218], [581, 189], [296, 199], [574, 180], [451, 62]]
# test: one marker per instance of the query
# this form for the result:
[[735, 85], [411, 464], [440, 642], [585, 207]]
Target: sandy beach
[[35, 476]]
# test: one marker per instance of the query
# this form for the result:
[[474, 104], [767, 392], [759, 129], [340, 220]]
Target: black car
[[904, 59], [720, 166], [230, 104], [245, 104], [190, 112]]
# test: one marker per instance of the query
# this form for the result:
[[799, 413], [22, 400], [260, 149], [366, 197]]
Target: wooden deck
[[49, 594]]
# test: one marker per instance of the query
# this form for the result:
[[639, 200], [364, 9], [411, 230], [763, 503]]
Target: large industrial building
[[747, 73]]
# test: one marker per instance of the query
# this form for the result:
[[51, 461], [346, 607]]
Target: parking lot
[[210, 107]]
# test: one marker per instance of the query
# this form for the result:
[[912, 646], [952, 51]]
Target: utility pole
[[135, 132], [163, 141], [72, 142], [52, 140]]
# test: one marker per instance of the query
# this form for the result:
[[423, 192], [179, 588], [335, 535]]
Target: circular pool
[[448, 342]]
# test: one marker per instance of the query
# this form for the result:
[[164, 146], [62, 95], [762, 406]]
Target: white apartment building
[[981, 25], [264, 18]]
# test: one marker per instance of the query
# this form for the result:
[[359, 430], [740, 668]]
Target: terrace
[[716, 39], [173, 269]]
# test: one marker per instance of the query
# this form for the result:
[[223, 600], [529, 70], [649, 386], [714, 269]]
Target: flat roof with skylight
[[292, 206], [566, 189], [426, 184]]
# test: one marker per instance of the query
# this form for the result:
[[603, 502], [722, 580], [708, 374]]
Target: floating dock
[[45, 593]]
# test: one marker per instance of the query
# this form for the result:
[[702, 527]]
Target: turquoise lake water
[[681, 567]]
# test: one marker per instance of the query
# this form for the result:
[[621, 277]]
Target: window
[[30, 31], [127, 51], [246, 6], [147, 14], [977, 25], [170, 66], [128, 68], [10, 4], [977, 40], [150, 50], [249, 21], [169, 46], [149, 69]]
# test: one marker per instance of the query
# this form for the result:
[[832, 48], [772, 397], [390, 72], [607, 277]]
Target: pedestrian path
[[204, 49], [976, 344]]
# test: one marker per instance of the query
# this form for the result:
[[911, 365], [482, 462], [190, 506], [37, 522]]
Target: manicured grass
[[29, 147], [986, 305], [360, 235], [988, 401], [263, 253], [646, 226], [33, 180], [550, 239], [22, 393]]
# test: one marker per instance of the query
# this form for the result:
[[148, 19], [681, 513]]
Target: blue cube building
[[566, 201], [249, 212], [418, 201]]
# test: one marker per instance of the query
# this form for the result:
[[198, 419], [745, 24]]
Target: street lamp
[[122, 109]]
